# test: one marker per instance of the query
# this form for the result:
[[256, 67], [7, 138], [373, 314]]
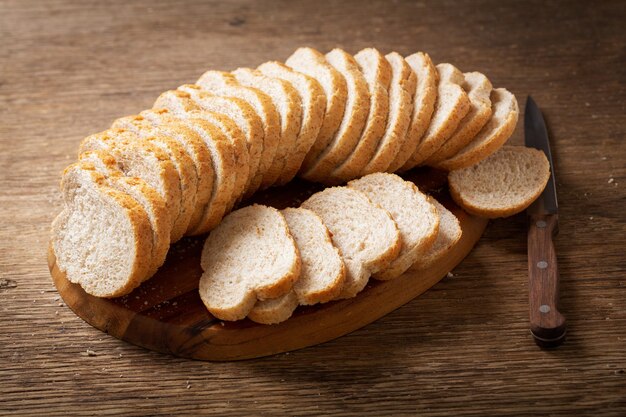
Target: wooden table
[[69, 68]]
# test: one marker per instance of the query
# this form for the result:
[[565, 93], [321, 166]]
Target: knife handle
[[547, 324]]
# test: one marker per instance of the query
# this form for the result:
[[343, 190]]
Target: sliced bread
[[102, 239], [448, 235], [313, 102], [377, 73], [274, 310], [451, 107], [502, 185], [423, 106], [401, 91], [365, 234], [492, 136], [417, 219], [478, 89], [346, 138], [152, 203], [230, 130], [289, 105], [139, 158], [313, 63], [322, 271], [164, 122], [250, 256], [225, 84], [224, 165], [146, 125], [181, 103], [246, 128]]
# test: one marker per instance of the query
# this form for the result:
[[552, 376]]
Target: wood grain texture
[[547, 323], [68, 68]]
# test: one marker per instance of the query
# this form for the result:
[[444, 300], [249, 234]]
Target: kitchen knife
[[547, 324]]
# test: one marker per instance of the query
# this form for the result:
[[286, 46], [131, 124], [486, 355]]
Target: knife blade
[[547, 324]]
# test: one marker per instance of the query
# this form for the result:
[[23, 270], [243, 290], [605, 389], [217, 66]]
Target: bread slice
[[492, 136], [139, 158], [451, 107], [225, 84], [182, 103], [163, 122], [102, 239], [152, 203], [274, 310], [250, 256], [313, 102], [502, 185], [223, 165], [313, 63], [289, 105], [377, 73], [365, 234], [223, 160], [230, 130], [448, 235], [478, 89], [346, 139], [147, 124], [423, 106], [401, 91], [415, 216], [322, 271]]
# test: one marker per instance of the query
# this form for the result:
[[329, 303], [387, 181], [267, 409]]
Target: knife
[[547, 324]]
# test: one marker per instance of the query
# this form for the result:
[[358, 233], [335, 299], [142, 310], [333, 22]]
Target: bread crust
[[377, 72], [225, 84], [478, 88], [313, 101], [138, 219], [423, 106], [401, 91], [450, 108], [492, 136], [164, 121], [535, 173], [214, 250], [346, 138], [313, 63]]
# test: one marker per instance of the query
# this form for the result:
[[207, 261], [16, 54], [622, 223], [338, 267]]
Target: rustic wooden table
[[69, 68]]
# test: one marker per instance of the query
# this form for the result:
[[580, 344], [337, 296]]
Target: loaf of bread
[[180, 168]]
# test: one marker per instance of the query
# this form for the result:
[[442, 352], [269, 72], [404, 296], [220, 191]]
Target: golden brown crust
[[314, 107], [164, 122], [423, 106], [223, 163], [313, 63], [478, 89], [451, 107], [346, 139], [465, 199], [492, 136], [401, 91], [225, 84]]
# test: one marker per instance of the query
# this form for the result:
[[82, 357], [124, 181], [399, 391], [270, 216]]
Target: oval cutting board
[[165, 313]]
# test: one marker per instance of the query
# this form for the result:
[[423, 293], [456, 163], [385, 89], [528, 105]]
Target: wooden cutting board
[[165, 313]]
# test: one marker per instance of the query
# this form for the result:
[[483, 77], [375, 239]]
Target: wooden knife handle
[[547, 324]]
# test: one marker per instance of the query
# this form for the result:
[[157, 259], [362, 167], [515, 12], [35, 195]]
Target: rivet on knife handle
[[547, 324]]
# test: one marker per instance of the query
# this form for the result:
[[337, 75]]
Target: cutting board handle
[[547, 324]]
